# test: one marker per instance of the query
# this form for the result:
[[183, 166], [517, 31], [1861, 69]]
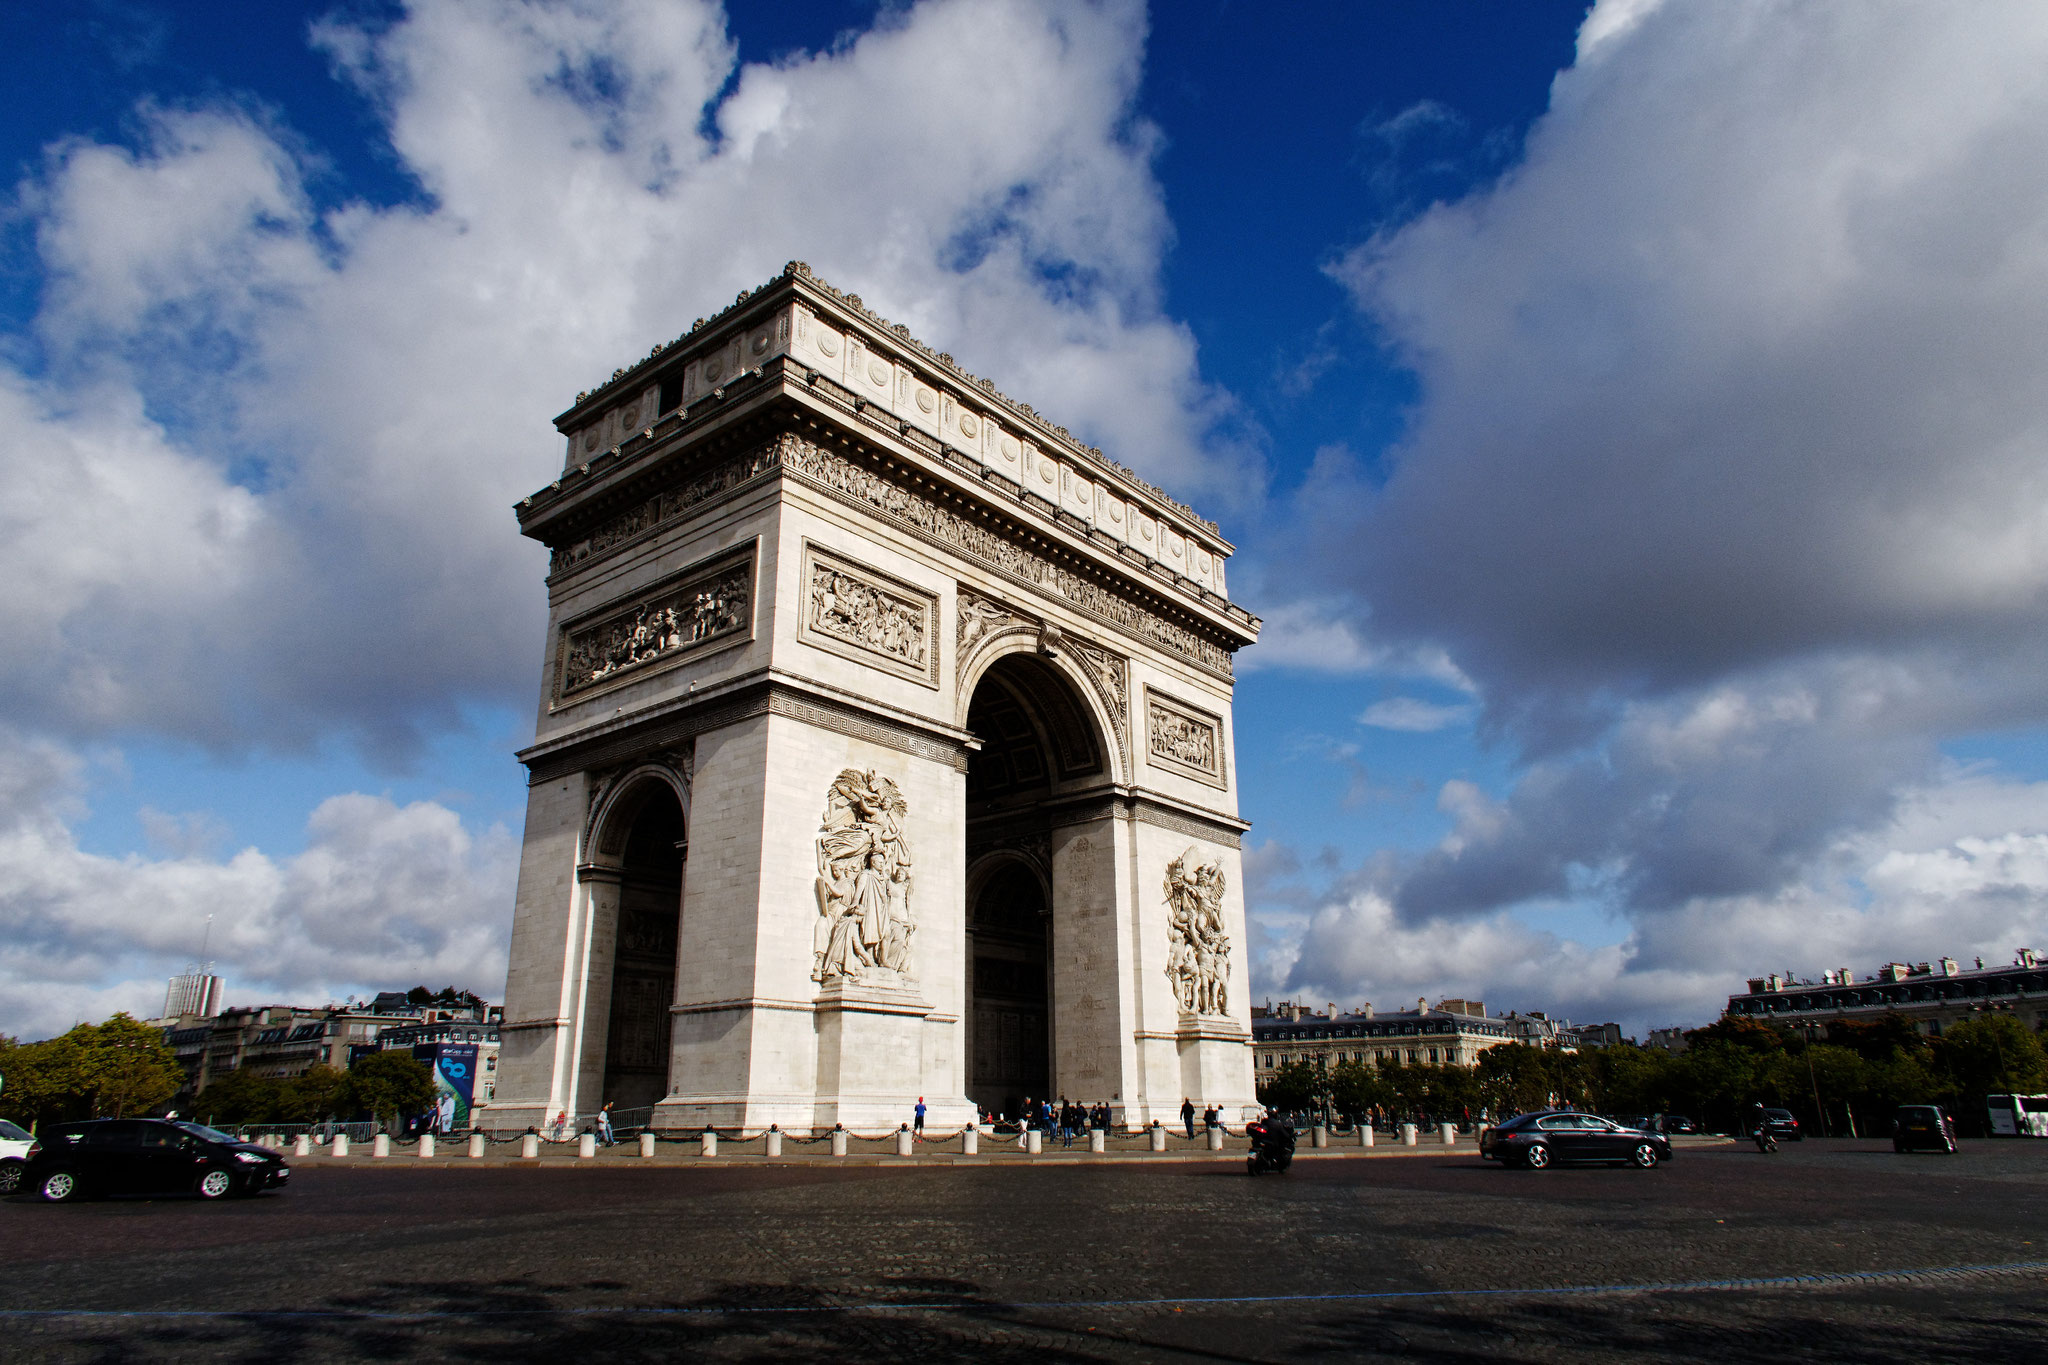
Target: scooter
[[1272, 1147], [1764, 1141]]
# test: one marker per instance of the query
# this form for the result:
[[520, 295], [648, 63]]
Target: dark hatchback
[[1555, 1137], [1781, 1124], [147, 1156], [1922, 1128]]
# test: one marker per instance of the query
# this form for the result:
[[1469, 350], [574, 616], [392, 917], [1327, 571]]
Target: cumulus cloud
[[267, 463], [382, 895], [1727, 491], [1413, 714]]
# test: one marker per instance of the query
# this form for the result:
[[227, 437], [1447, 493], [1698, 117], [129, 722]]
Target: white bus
[[2018, 1115]]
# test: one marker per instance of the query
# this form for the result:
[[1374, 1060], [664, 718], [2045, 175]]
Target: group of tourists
[[1063, 1120], [1212, 1118]]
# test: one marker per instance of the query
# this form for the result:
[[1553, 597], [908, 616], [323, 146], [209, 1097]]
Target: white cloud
[[383, 895], [1413, 714]]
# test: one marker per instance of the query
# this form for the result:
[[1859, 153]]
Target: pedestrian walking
[[1187, 1116], [917, 1121], [1024, 1118], [604, 1125], [1211, 1120], [561, 1125]]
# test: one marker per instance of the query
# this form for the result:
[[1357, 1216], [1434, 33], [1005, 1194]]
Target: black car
[[1779, 1122], [1553, 1136], [1922, 1128], [1676, 1123], [147, 1156]]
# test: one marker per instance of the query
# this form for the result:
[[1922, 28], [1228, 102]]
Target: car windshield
[[201, 1130], [11, 1133]]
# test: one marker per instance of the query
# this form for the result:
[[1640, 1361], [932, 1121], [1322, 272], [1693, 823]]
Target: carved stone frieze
[[702, 606], [669, 505], [1184, 737], [869, 616], [1112, 676], [1198, 951], [865, 924], [979, 618], [872, 490]]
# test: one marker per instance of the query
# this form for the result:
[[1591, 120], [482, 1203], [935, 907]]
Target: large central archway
[[1041, 751]]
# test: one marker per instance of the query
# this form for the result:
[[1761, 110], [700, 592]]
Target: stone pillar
[[529, 1147], [380, 1146], [426, 1145], [1318, 1136], [904, 1139], [1216, 1138], [708, 1144], [340, 1147], [647, 1144], [302, 1145], [593, 1008], [477, 1143], [1098, 1141], [838, 1141], [970, 1139], [774, 1140], [1365, 1135], [586, 1146], [1410, 1135], [1034, 1142], [1158, 1137], [1450, 1133]]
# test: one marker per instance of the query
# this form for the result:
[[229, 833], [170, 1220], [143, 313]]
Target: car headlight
[[250, 1157]]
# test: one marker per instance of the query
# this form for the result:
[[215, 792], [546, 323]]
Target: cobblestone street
[[1827, 1251]]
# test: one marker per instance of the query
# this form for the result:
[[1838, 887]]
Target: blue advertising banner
[[454, 1068]]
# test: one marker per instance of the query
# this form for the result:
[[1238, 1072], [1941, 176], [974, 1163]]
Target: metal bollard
[[426, 1145], [476, 1146], [774, 1140], [1365, 1135], [1034, 1142], [1318, 1136], [1158, 1136], [1410, 1135], [970, 1139], [529, 1147], [1450, 1134], [1098, 1141], [1216, 1139], [302, 1146], [340, 1147], [586, 1146], [646, 1144], [708, 1144], [904, 1139], [838, 1140]]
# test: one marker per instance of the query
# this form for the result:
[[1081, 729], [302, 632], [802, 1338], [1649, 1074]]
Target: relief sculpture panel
[[865, 924], [1198, 951], [869, 616], [1184, 738], [706, 605]]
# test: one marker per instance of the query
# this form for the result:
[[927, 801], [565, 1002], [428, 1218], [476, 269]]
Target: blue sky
[[1628, 422]]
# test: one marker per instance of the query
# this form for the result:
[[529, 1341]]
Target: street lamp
[[1808, 1029]]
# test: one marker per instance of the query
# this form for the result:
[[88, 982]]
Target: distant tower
[[196, 992]]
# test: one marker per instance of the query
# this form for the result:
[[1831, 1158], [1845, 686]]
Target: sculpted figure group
[[864, 918], [1198, 959]]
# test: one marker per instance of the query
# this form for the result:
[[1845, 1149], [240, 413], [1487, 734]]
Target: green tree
[[125, 1067], [316, 1094], [238, 1097], [1293, 1087], [1994, 1055], [1742, 1031], [388, 1085], [1514, 1078], [1357, 1090]]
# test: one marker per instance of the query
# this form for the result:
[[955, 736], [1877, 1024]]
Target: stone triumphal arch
[[884, 750]]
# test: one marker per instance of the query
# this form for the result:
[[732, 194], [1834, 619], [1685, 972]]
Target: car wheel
[[216, 1184], [61, 1186], [10, 1176], [1644, 1155], [1537, 1158]]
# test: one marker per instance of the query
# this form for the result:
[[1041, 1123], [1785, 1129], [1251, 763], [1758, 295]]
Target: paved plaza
[[1838, 1251]]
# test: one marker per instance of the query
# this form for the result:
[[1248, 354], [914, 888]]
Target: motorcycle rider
[[1272, 1139], [1760, 1128]]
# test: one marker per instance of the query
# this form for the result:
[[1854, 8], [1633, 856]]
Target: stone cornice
[[796, 277]]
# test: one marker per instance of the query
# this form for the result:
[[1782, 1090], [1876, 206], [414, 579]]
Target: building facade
[[1442, 1036], [884, 750], [1934, 995]]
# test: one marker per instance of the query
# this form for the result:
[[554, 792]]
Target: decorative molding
[[708, 605], [1198, 951], [868, 616], [1111, 674], [877, 494], [979, 618], [1181, 822], [673, 727], [669, 505], [1184, 738], [865, 922]]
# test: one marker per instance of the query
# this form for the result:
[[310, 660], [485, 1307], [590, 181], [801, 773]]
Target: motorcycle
[[1765, 1142], [1272, 1147]]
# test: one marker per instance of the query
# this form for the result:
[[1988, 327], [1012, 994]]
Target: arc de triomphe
[[884, 751]]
